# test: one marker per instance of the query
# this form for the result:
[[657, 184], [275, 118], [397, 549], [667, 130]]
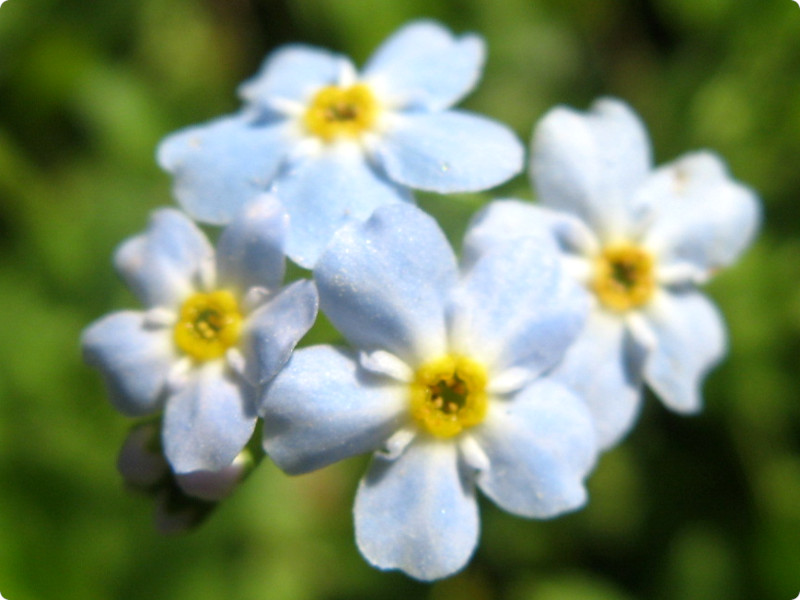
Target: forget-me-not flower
[[640, 240], [216, 327], [333, 143], [443, 382]]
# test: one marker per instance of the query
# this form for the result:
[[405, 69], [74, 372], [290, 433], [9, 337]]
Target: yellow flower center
[[624, 277], [341, 112], [448, 395], [209, 324]]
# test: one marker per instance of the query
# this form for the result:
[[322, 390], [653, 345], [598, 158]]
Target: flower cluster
[[508, 370]]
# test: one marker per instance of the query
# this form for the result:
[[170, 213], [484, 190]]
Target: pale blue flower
[[216, 327], [333, 144], [443, 382], [640, 240]]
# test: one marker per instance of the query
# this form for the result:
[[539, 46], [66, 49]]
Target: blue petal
[[162, 264], [424, 66], [208, 421], [220, 166], [540, 446], [323, 408], [384, 283], [134, 360], [502, 221], [325, 192], [690, 339], [293, 72], [700, 215], [250, 249], [275, 328], [417, 513], [447, 152], [604, 368], [515, 307], [590, 164]]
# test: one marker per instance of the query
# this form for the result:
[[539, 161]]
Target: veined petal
[[450, 151], [323, 193], [250, 249], [134, 360], [700, 215], [516, 308], [604, 368], [208, 421], [322, 408], [274, 329], [162, 265], [220, 166], [424, 66], [293, 72], [691, 339], [384, 283], [417, 513], [540, 446], [590, 164]]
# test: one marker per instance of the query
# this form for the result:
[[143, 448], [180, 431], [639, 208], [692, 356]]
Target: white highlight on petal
[[388, 101], [179, 375], [370, 140], [304, 147], [285, 106], [681, 273], [348, 75], [254, 298], [236, 361], [386, 363], [399, 441], [578, 268], [641, 331], [509, 381], [159, 317], [207, 274], [577, 235], [473, 454]]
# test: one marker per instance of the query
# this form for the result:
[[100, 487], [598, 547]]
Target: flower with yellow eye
[[333, 144], [216, 327], [640, 241], [444, 383]]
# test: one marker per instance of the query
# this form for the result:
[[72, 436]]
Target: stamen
[[624, 277], [449, 395], [337, 112], [209, 324]]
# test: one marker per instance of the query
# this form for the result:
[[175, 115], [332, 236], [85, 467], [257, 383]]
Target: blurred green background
[[686, 508]]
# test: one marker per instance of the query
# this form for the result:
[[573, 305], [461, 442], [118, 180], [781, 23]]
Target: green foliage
[[690, 508]]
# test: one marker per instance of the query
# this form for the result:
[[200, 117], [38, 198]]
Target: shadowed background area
[[693, 508]]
